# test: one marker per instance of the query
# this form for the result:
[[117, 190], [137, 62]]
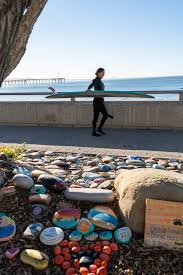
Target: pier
[[32, 81]]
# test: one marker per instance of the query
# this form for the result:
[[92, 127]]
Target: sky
[[129, 38]]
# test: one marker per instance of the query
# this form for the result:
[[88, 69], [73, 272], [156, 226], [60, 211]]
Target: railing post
[[181, 96]]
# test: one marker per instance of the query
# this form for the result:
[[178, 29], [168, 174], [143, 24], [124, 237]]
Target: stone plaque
[[164, 224]]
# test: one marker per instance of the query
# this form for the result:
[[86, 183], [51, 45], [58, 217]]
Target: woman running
[[98, 103]]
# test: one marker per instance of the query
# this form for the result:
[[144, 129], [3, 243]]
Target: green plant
[[14, 152]]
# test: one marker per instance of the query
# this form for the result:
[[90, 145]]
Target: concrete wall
[[134, 114]]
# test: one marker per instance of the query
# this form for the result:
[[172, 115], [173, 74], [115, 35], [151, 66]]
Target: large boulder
[[136, 185]]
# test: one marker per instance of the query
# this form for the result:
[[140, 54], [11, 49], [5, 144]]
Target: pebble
[[89, 194], [12, 252], [52, 236], [52, 183], [93, 236], [49, 154], [103, 217], [94, 185], [7, 228], [61, 163], [38, 189], [85, 226], [90, 176], [66, 218], [105, 235], [35, 258], [33, 231], [75, 236], [106, 184], [22, 181], [85, 261], [107, 159], [123, 235], [36, 173], [40, 198]]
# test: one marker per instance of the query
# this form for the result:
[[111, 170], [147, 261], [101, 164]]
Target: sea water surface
[[133, 84]]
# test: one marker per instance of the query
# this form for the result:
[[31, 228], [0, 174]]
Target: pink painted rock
[[12, 252]]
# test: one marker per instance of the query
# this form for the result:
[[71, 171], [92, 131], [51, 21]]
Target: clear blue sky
[[130, 38]]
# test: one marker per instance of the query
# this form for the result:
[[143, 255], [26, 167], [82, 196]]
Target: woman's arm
[[91, 85]]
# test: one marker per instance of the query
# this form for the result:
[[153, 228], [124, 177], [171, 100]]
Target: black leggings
[[97, 109]]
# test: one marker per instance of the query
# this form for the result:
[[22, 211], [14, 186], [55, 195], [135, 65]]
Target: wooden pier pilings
[[32, 81]]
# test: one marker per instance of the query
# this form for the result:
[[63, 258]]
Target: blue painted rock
[[38, 189], [85, 261], [85, 226], [33, 231], [103, 217], [52, 236], [123, 235], [89, 194], [7, 228], [35, 258], [52, 183], [93, 236], [90, 176], [135, 157], [105, 235], [75, 236], [66, 218], [104, 167], [22, 181]]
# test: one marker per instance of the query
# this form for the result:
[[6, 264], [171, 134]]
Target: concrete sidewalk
[[117, 141]]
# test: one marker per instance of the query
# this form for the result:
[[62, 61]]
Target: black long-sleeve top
[[98, 86]]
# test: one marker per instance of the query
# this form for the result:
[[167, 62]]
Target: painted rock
[[99, 180], [85, 226], [36, 173], [23, 181], [103, 217], [40, 198], [107, 159], [93, 236], [108, 184], [71, 158], [85, 261], [66, 218], [90, 176], [12, 252], [104, 167], [157, 166], [38, 189], [7, 228], [92, 169], [34, 155], [51, 235], [61, 164], [105, 235], [35, 258], [75, 236], [33, 231], [52, 183], [135, 157], [123, 235], [39, 211], [94, 185], [89, 194], [49, 154]]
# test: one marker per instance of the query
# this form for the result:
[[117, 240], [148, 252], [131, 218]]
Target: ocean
[[133, 84]]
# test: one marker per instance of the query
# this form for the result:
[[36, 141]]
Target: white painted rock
[[89, 194], [23, 181], [52, 236]]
